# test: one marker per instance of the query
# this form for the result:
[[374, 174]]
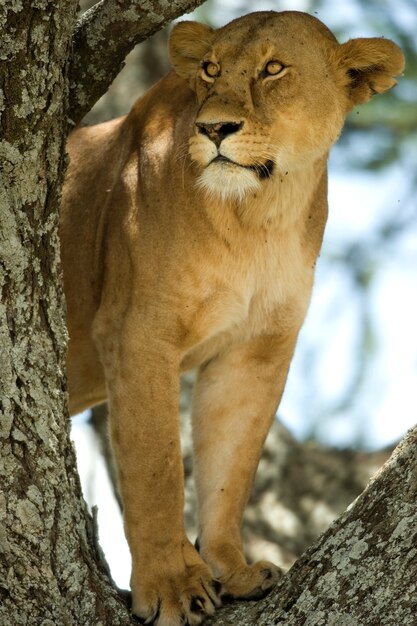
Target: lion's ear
[[370, 66], [188, 44]]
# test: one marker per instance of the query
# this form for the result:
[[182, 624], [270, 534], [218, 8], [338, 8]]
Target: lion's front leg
[[235, 402], [171, 585]]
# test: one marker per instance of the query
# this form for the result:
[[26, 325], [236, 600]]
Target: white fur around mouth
[[227, 180]]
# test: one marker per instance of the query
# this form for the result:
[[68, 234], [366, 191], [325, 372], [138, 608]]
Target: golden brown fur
[[173, 260]]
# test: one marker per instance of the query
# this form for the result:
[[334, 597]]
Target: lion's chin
[[228, 182]]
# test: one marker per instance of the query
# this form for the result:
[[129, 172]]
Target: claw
[[266, 573], [212, 589], [217, 586], [197, 604]]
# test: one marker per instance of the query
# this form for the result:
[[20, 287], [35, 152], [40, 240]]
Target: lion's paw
[[250, 582], [181, 600]]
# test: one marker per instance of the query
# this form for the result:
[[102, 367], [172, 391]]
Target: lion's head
[[272, 90]]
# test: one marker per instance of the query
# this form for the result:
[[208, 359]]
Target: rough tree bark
[[362, 571], [51, 572], [105, 35]]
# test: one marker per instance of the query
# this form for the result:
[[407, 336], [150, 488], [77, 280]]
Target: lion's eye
[[272, 68], [211, 70]]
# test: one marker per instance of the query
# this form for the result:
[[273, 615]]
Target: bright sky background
[[389, 403]]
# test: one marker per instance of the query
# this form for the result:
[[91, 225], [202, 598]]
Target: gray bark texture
[[362, 571], [105, 35], [51, 569]]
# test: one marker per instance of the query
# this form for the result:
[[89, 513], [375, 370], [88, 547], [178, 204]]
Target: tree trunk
[[51, 569]]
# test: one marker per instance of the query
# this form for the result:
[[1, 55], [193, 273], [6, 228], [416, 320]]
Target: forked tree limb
[[104, 36]]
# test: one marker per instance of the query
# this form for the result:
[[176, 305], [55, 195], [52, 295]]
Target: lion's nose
[[219, 131]]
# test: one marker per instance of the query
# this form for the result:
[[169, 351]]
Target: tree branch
[[103, 37], [362, 570]]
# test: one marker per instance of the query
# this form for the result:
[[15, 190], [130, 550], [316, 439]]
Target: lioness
[[190, 231]]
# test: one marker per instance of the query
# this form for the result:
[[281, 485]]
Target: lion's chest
[[245, 293]]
